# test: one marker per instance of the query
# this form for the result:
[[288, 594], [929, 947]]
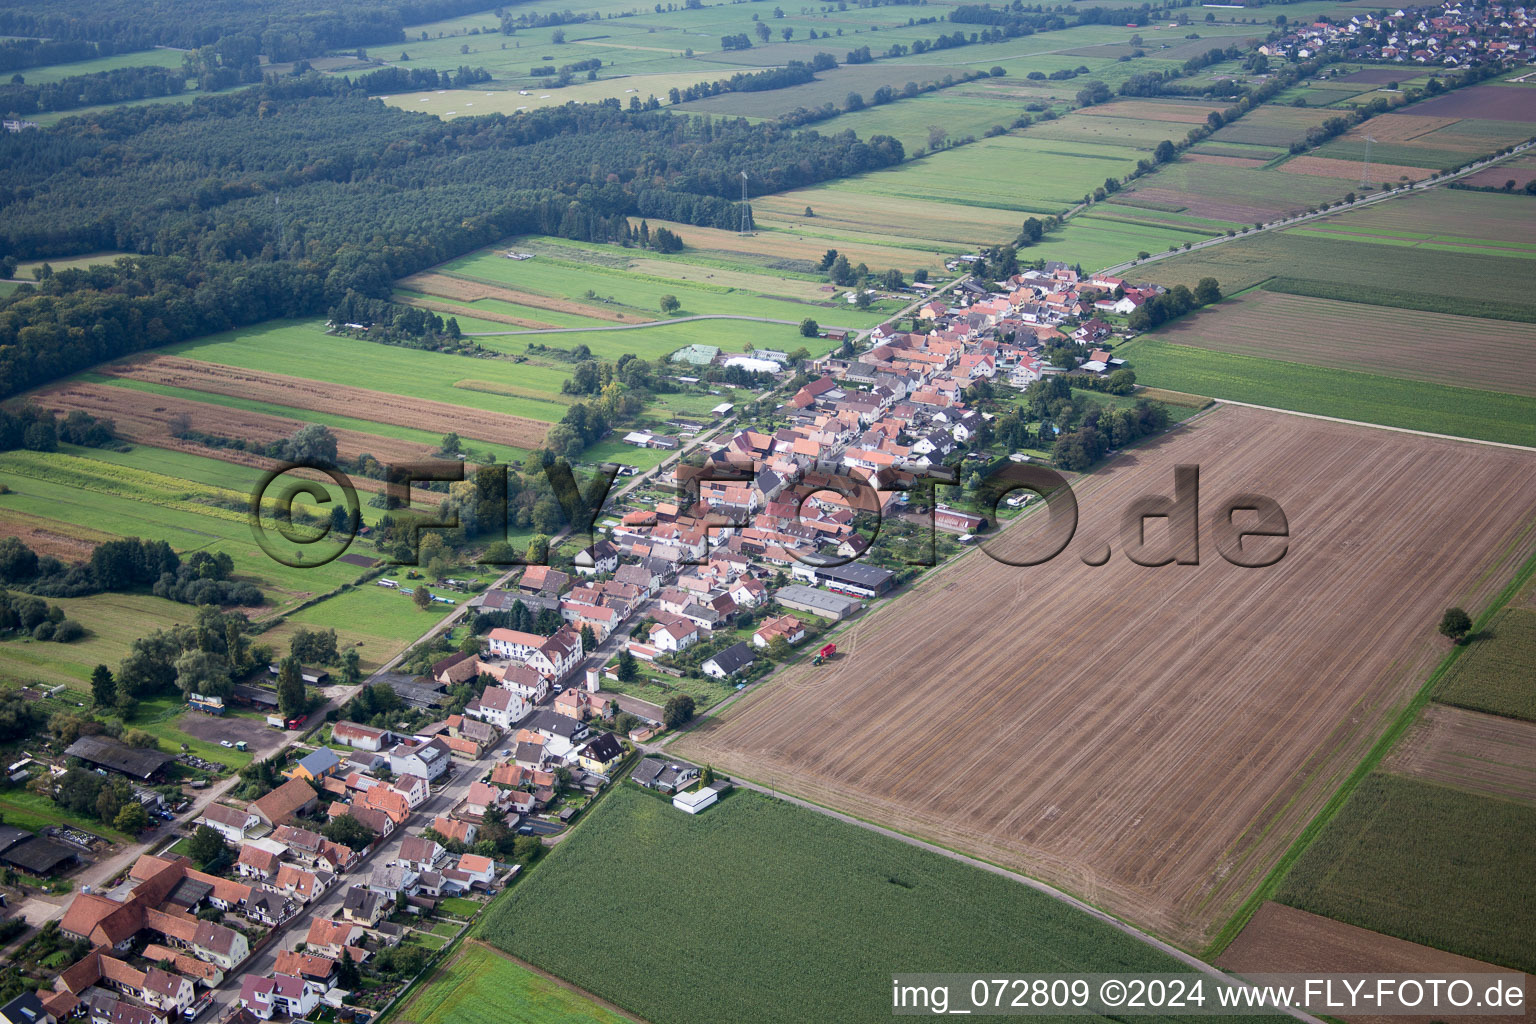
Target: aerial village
[[374, 842]]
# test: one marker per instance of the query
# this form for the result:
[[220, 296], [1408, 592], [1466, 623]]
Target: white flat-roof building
[[696, 800]]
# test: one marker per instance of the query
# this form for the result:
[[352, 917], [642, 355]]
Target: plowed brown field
[[1151, 739], [302, 393], [1469, 749], [1284, 940], [145, 417]]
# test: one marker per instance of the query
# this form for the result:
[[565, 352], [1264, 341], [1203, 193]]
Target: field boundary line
[[648, 323], [1369, 763], [1188, 959], [1379, 426]]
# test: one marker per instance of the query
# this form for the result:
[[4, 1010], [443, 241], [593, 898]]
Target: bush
[[68, 631]]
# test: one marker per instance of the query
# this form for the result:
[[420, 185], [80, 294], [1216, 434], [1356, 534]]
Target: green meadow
[[1347, 394]]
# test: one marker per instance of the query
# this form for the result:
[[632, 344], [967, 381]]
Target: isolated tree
[[669, 304], [1455, 624], [422, 598], [708, 775], [451, 444], [627, 669], [351, 668], [103, 687], [205, 845], [827, 260], [588, 638], [348, 831], [291, 698], [1207, 291], [809, 328], [131, 818], [203, 673], [678, 711]]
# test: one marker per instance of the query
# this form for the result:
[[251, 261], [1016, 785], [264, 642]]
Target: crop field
[[146, 417], [1164, 800], [1349, 170], [1394, 860], [626, 285], [1461, 351], [301, 393], [67, 543], [482, 986], [1346, 394], [1445, 219], [1271, 126], [1437, 142], [1237, 195], [971, 195], [182, 510], [806, 914], [1520, 170], [1492, 102], [301, 349], [1494, 675], [465, 289], [1339, 250], [1483, 753], [1284, 939]]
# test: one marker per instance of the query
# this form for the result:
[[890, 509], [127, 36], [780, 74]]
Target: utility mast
[[747, 209]]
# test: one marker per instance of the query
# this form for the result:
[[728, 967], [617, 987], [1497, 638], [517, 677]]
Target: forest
[[278, 200], [284, 30]]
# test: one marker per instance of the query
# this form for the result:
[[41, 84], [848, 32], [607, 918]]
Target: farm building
[[818, 602], [33, 854], [254, 696], [106, 752], [752, 365], [311, 676], [953, 519], [862, 580], [698, 355]]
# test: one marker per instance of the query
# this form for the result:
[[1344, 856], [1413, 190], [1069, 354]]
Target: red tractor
[[825, 654]]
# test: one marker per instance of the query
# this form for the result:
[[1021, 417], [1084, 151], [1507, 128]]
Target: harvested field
[[1282, 939], [1400, 127], [455, 309], [1491, 102], [1521, 170], [64, 541], [302, 393], [1151, 110], [1378, 76], [491, 387], [1225, 161], [470, 290], [1471, 750], [1461, 351], [1349, 170], [1161, 763], [145, 417]]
